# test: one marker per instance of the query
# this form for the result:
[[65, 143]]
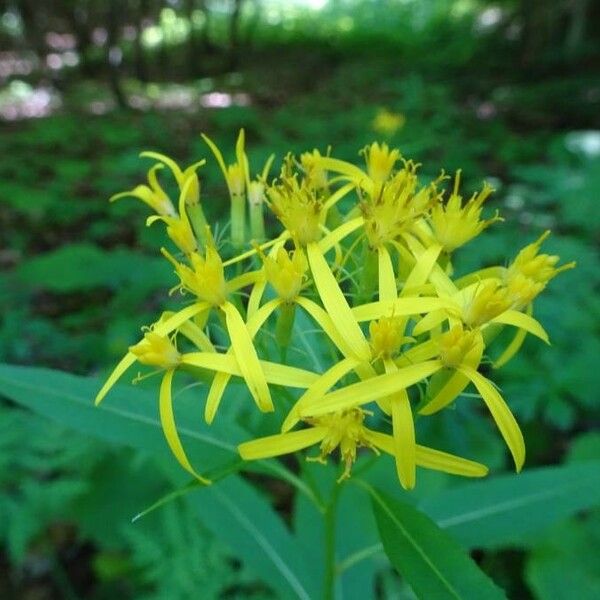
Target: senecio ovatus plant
[[367, 255]]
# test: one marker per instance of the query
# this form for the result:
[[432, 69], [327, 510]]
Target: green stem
[[330, 565], [257, 223], [238, 220], [369, 276], [198, 221]]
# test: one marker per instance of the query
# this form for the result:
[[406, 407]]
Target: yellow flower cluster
[[366, 255]]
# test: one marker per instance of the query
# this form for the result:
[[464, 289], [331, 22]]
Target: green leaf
[[498, 511], [85, 266], [235, 512], [565, 563], [128, 417], [427, 557]]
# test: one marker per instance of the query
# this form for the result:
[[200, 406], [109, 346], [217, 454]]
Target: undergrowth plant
[[363, 259]]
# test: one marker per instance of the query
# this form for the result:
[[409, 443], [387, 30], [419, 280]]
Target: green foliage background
[[80, 277]]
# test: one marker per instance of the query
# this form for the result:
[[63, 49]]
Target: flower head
[[286, 272], [530, 271], [380, 161], [454, 224], [298, 208], [205, 278], [156, 350], [396, 206], [387, 122], [153, 194]]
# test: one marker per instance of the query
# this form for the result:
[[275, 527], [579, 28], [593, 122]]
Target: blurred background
[[509, 91]]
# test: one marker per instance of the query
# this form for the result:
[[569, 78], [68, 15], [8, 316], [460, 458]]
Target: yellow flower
[[186, 178], [286, 272], [205, 279], [529, 273], [386, 336], [387, 122], [156, 350], [380, 161], [298, 208], [453, 224], [397, 206], [314, 172], [485, 302], [153, 195], [346, 430]]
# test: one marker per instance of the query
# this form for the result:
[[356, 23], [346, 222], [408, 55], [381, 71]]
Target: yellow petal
[[420, 272], [449, 463], [167, 161], [281, 443], [507, 424], [514, 346], [215, 395], [419, 353], [318, 389], [244, 351], [429, 321], [220, 381], [244, 280], [167, 420], [429, 458], [401, 307], [387, 279], [217, 154], [454, 386], [358, 176], [258, 289], [404, 439], [335, 303], [522, 321], [193, 333], [337, 196], [371, 389], [274, 372], [339, 233], [325, 323], [443, 284]]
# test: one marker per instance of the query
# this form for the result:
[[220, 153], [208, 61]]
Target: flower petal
[[371, 389], [245, 352], [167, 420], [335, 303], [401, 307], [507, 424], [454, 386], [522, 321], [318, 389], [274, 372], [387, 278], [281, 443], [335, 236], [449, 463], [404, 439], [420, 272], [429, 458]]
